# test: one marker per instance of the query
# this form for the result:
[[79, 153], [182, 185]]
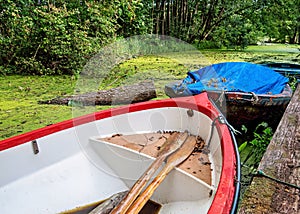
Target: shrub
[[49, 39], [252, 151]]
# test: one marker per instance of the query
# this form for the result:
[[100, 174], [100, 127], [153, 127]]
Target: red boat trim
[[224, 196], [223, 200]]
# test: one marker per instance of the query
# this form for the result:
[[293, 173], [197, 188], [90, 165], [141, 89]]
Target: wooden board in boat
[[198, 163]]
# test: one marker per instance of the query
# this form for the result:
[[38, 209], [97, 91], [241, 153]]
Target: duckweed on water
[[20, 111]]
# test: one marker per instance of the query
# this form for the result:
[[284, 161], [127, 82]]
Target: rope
[[261, 173], [221, 98], [255, 98], [212, 131]]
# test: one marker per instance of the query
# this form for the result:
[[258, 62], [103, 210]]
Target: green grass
[[20, 111], [274, 48]]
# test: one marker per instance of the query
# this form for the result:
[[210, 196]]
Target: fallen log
[[139, 92]]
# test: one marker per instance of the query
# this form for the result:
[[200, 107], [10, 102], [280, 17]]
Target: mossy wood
[[281, 161], [134, 93]]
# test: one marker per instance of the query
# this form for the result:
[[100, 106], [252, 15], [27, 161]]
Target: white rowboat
[[67, 165]]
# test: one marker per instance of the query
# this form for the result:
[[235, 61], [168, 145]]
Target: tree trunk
[[157, 14], [163, 17], [121, 95], [168, 30]]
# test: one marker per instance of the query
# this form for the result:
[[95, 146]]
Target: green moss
[[19, 110], [258, 197], [292, 118], [141, 68]]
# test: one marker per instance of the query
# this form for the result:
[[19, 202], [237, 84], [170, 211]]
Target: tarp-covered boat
[[72, 164], [284, 68], [246, 93]]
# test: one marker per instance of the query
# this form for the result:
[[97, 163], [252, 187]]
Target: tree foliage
[[56, 36], [228, 22], [282, 21]]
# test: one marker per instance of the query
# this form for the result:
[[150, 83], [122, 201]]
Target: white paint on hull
[[71, 169], [66, 182]]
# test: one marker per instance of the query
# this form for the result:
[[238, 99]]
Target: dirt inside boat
[[197, 164]]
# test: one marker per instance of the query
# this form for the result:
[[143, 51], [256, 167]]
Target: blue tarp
[[231, 76]]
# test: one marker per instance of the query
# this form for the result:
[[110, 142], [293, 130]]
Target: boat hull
[[286, 69], [247, 94], [250, 109], [63, 166]]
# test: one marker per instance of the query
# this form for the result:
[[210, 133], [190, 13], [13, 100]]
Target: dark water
[[150, 207]]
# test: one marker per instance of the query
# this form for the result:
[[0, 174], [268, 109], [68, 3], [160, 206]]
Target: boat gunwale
[[226, 189], [285, 94]]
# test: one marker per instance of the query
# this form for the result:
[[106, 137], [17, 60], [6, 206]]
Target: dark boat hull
[[250, 109]]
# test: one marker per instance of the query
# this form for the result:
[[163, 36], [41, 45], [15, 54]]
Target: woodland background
[[58, 37]]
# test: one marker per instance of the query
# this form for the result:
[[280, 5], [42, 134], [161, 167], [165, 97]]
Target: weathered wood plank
[[281, 161], [138, 92]]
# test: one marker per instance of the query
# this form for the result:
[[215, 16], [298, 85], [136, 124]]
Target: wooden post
[[281, 161]]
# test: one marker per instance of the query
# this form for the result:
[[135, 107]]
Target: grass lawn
[[20, 111]]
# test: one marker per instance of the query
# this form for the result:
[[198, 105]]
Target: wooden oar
[[172, 161], [107, 206], [171, 145]]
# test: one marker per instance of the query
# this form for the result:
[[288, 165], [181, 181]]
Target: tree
[[192, 20], [56, 36], [282, 21]]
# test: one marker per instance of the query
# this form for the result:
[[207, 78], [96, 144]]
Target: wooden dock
[[281, 162]]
